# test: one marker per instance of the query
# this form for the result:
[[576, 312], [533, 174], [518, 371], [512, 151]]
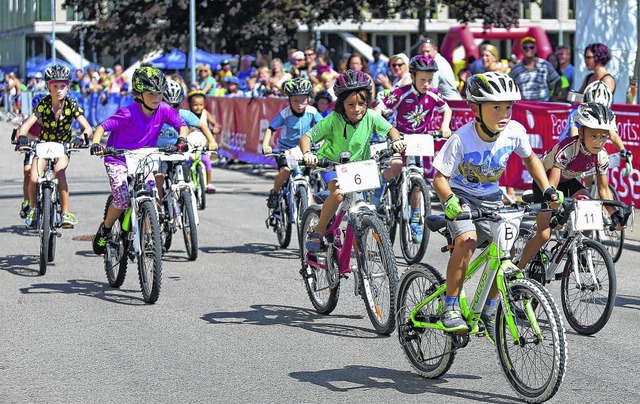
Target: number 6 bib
[[358, 176]]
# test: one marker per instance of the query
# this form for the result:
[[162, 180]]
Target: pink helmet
[[422, 63], [352, 80]]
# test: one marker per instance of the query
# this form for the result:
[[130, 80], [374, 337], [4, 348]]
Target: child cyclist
[[348, 128], [468, 168], [197, 103], [415, 104], [55, 113], [133, 127], [173, 95], [567, 160], [295, 119]]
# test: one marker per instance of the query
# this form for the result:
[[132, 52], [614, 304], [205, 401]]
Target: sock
[[415, 215], [452, 303], [490, 307]]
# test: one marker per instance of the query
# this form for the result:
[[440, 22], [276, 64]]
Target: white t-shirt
[[475, 166]]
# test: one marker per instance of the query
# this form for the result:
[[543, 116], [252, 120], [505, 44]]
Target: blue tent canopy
[[176, 59], [43, 65]]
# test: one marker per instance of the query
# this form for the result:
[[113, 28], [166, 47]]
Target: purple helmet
[[422, 63], [352, 80]]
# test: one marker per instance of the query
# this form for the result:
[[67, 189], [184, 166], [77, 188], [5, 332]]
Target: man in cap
[[378, 66], [534, 76]]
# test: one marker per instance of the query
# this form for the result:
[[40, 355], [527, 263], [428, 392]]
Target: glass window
[[550, 9], [399, 43]]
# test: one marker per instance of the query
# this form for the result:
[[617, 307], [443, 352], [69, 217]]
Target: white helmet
[[595, 116], [173, 92], [492, 87], [598, 92]]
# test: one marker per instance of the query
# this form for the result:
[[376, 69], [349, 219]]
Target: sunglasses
[[309, 54], [529, 47], [589, 57], [397, 65], [299, 60]]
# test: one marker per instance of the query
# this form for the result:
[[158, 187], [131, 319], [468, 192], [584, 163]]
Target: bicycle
[[364, 236], [135, 236], [293, 198], [584, 266], [48, 214], [197, 170], [529, 335], [178, 205], [404, 192]]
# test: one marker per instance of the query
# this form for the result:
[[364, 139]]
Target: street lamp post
[[53, 29], [192, 38]]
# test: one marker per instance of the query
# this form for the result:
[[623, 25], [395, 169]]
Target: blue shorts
[[327, 176]]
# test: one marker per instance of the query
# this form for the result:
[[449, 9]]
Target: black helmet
[[297, 86], [148, 79], [422, 63], [57, 72]]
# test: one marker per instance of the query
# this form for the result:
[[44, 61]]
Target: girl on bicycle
[[348, 128], [55, 113], [197, 104], [567, 160], [133, 127]]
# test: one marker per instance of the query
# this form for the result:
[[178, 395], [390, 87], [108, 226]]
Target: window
[[549, 9], [399, 43]]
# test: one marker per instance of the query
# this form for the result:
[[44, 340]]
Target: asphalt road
[[236, 325]]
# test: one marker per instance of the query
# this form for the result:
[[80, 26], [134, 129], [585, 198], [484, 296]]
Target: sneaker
[[489, 322], [416, 233], [30, 221], [69, 220], [211, 189], [100, 240], [453, 322], [24, 209], [272, 201]]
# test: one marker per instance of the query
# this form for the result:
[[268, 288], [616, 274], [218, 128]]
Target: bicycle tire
[[302, 203], [536, 367], [589, 307], [46, 229], [201, 185], [322, 288], [166, 232], [115, 255], [613, 240], [283, 226], [54, 238], [414, 252], [150, 258], [429, 351], [378, 273], [189, 227]]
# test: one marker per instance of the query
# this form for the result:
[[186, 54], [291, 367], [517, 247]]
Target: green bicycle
[[529, 334], [197, 169]]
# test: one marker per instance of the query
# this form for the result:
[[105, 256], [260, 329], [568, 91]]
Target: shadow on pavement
[[297, 317], [19, 264], [356, 377], [19, 229], [627, 301], [267, 250], [84, 287]]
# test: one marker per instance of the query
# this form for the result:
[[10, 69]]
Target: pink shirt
[[414, 110]]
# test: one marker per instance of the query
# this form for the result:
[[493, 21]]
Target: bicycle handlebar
[[479, 213]]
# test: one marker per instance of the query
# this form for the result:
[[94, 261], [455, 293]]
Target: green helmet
[[148, 79], [297, 86]]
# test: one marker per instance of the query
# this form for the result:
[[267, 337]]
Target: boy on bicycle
[[297, 118], [468, 169], [567, 160], [55, 113], [414, 105], [348, 128], [133, 127]]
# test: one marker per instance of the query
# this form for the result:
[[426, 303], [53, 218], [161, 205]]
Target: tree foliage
[[246, 26]]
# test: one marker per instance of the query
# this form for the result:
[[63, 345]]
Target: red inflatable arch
[[465, 35]]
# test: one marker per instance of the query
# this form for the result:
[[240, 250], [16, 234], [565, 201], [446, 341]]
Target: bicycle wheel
[[379, 275], [413, 251], [46, 228], [166, 232], [115, 255], [150, 258], [612, 240], [534, 363], [588, 305], [322, 284], [201, 186], [302, 202], [283, 226], [54, 237], [429, 351], [189, 227]]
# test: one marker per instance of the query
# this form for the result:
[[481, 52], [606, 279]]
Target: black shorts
[[281, 160], [568, 188]]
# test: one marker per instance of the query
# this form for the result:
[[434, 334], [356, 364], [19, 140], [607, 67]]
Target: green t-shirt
[[339, 136]]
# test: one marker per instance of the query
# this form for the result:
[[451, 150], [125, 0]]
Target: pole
[[53, 29], [192, 38]]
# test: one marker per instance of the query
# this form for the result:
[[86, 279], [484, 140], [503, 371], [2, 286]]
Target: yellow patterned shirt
[[52, 130]]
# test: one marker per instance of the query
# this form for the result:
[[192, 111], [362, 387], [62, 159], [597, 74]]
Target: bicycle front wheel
[[534, 362], [414, 247], [46, 228], [379, 275], [150, 258], [588, 298], [429, 351], [283, 226], [115, 255], [201, 186], [612, 240], [302, 202], [189, 228]]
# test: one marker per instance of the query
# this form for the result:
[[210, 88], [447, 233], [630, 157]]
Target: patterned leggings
[[119, 187]]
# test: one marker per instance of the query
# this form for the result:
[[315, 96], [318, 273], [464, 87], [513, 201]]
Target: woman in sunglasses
[[596, 57], [399, 65]]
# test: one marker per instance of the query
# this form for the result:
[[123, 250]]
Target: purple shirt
[[414, 110], [132, 129]]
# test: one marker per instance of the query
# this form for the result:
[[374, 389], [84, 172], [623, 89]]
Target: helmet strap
[[483, 126], [145, 105]]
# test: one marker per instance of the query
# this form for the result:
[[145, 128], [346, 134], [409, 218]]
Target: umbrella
[[176, 59]]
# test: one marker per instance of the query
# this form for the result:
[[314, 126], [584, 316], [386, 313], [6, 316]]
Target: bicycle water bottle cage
[[345, 156]]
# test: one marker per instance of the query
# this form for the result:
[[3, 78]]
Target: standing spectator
[[246, 70], [356, 62], [233, 84], [378, 67], [118, 84], [564, 54], [13, 87], [490, 58], [463, 75], [444, 79], [278, 75], [596, 57], [36, 84], [475, 65], [535, 77], [311, 63], [205, 82], [399, 64], [561, 90], [225, 70], [298, 66], [290, 60]]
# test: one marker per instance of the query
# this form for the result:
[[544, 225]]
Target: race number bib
[[419, 145], [293, 155], [505, 231], [588, 215], [358, 176], [49, 150]]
